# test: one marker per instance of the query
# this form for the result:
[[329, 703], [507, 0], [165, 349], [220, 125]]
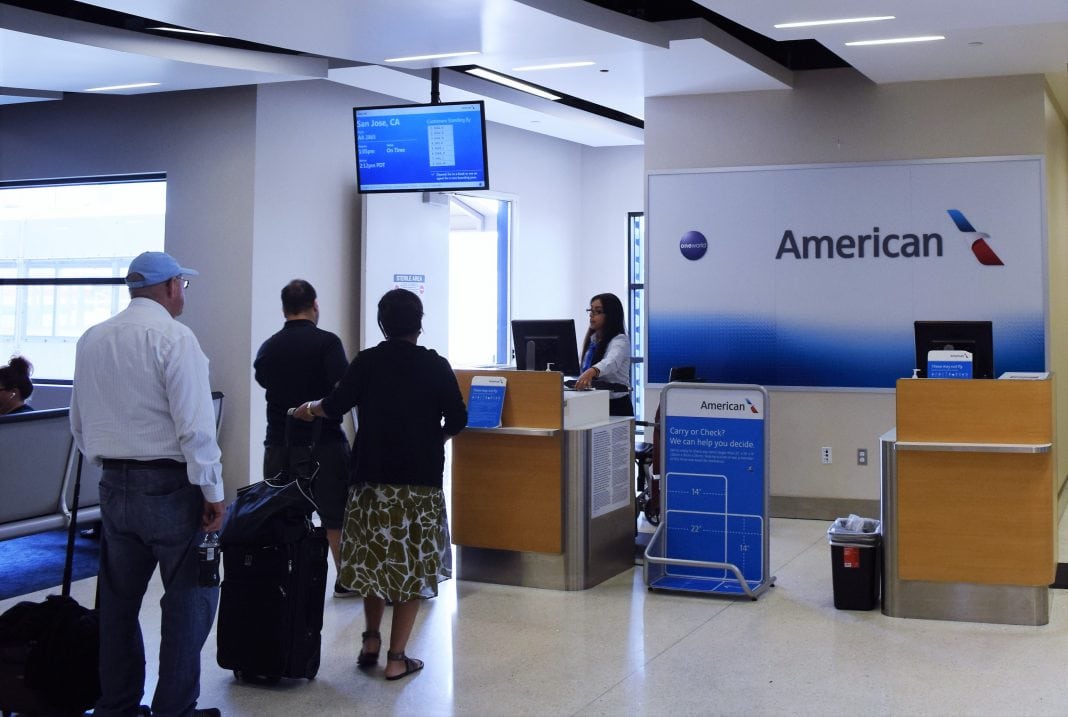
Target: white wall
[[307, 216], [839, 116], [407, 236], [569, 239], [613, 184]]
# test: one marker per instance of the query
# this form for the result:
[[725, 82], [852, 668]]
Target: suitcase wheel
[[242, 676]]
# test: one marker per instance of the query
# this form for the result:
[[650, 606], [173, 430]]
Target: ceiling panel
[[61, 66], [633, 59]]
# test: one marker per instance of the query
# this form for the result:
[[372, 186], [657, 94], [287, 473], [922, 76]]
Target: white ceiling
[[42, 56]]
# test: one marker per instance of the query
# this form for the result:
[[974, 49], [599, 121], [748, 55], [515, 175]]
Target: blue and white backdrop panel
[[813, 275]]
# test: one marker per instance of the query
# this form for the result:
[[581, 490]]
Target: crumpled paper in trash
[[857, 524]]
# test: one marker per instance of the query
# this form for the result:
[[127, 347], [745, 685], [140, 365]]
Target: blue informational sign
[[949, 364], [713, 535], [485, 401], [421, 147]]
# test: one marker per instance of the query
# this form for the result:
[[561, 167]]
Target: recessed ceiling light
[[842, 21], [183, 31], [438, 56], [510, 82], [896, 40], [557, 66], [122, 87]]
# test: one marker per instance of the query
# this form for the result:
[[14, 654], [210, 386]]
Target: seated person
[[15, 386], [606, 353]]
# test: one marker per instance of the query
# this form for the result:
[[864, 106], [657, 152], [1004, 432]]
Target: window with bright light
[[478, 280], [65, 247]]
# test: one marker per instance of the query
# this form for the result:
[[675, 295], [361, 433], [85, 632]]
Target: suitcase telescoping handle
[[68, 563]]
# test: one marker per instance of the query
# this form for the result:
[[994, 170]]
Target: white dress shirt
[[615, 366], [141, 392]]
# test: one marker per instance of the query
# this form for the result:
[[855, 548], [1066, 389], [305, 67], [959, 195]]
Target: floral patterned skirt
[[395, 541]]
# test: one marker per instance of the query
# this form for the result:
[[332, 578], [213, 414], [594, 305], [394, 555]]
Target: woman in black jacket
[[395, 541]]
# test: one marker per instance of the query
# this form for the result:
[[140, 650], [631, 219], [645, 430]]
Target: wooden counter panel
[[983, 518], [532, 399], [506, 491], [974, 411]]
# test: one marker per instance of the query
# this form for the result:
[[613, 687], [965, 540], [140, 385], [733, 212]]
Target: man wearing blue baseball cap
[[141, 407]]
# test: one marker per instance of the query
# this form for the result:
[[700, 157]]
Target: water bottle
[[208, 560]]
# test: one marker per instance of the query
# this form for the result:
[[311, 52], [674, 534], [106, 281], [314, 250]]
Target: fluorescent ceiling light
[[557, 66], [438, 56], [509, 82], [182, 30], [842, 21], [122, 87], [896, 40]]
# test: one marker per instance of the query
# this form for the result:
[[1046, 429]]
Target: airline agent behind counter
[[606, 352]]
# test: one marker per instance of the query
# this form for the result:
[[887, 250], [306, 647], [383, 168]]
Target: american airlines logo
[[907, 245], [730, 406], [980, 247]]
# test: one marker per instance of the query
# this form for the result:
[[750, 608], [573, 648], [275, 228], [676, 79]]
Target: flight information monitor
[[418, 148]]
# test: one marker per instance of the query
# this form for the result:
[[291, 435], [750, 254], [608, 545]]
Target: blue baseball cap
[[155, 267]]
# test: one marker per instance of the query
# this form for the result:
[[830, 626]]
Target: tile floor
[[618, 649]]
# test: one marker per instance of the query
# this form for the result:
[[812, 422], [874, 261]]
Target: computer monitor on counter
[[545, 344]]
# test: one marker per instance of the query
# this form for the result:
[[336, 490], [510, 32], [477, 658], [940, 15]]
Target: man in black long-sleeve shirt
[[300, 363]]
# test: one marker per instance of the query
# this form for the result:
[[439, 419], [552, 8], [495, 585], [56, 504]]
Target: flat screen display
[[548, 342], [974, 337], [418, 148]]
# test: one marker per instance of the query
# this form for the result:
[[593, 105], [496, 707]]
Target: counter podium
[[969, 501], [547, 499]]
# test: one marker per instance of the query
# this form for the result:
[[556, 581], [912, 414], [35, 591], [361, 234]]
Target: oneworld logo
[[693, 245], [907, 245]]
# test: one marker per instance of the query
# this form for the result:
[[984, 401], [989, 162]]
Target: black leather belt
[[120, 463]]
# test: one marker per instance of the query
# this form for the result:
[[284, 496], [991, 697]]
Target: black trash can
[[856, 562]]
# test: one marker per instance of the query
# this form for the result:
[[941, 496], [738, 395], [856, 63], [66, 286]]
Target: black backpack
[[49, 661], [49, 651]]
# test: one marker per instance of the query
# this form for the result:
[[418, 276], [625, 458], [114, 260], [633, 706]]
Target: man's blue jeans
[[151, 516]]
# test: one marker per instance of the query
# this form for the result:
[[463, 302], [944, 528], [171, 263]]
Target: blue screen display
[[421, 147]]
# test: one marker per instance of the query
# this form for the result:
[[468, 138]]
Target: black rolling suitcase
[[49, 663], [274, 578], [271, 608]]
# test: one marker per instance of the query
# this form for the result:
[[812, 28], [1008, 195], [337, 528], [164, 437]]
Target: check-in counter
[[547, 499], [969, 501]]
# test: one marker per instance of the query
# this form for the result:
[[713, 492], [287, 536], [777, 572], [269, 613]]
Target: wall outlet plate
[[862, 456], [825, 455]]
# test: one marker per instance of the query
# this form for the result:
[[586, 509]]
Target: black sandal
[[410, 664], [367, 658]]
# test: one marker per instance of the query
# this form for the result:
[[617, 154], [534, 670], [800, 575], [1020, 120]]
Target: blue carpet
[[35, 562]]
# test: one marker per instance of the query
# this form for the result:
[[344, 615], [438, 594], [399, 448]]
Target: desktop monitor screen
[[547, 341], [975, 337], [416, 148]]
